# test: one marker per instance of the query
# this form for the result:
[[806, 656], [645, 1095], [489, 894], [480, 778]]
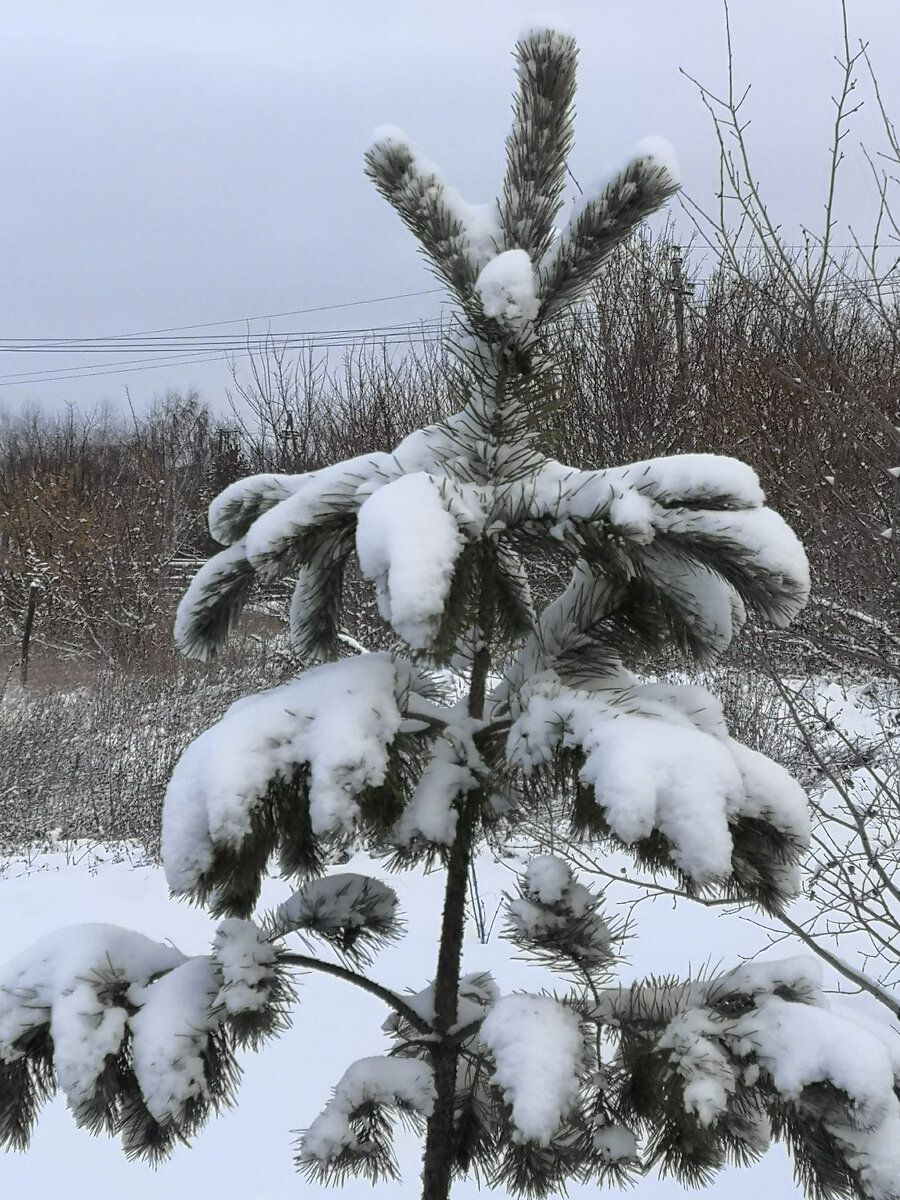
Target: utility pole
[[290, 439]]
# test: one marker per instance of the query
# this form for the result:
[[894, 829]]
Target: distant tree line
[[668, 356], [93, 509]]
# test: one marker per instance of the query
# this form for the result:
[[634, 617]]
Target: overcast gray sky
[[173, 163]]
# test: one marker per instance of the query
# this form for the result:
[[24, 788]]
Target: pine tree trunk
[[439, 1139]]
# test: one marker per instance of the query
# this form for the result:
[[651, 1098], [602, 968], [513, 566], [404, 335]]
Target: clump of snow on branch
[[547, 29], [276, 511], [171, 1029], [678, 500], [476, 994], [658, 758], [344, 909], [556, 916], [277, 523], [770, 792], [233, 511], [683, 479], [408, 541], [660, 152], [548, 879], [73, 981], [479, 223], [246, 960], [388, 1081], [800, 977], [507, 288], [338, 719], [538, 1050], [799, 1046], [763, 535], [430, 814], [615, 1143], [93, 983], [769, 1023], [221, 572], [708, 1073], [319, 495]]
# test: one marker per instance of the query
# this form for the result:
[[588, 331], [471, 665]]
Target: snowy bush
[[527, 1090]]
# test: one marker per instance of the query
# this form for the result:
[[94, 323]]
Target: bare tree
[[852, 396]]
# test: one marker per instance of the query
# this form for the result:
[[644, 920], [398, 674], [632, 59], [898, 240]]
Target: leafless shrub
[[88, 754], [300, 413], [93, 511]]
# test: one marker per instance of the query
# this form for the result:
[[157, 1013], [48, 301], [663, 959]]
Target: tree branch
[[882, 995], [361, 981]]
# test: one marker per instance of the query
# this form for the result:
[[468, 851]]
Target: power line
[[188, 350], [291, 339], [96, 342], [296, 312], [65, 374], [422, 333], [216, 341], [241, 320]]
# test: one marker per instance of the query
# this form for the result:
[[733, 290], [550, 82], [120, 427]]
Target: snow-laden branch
[[397, 1003]]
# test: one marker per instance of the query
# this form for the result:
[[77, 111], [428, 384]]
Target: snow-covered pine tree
[[527, 1091]]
